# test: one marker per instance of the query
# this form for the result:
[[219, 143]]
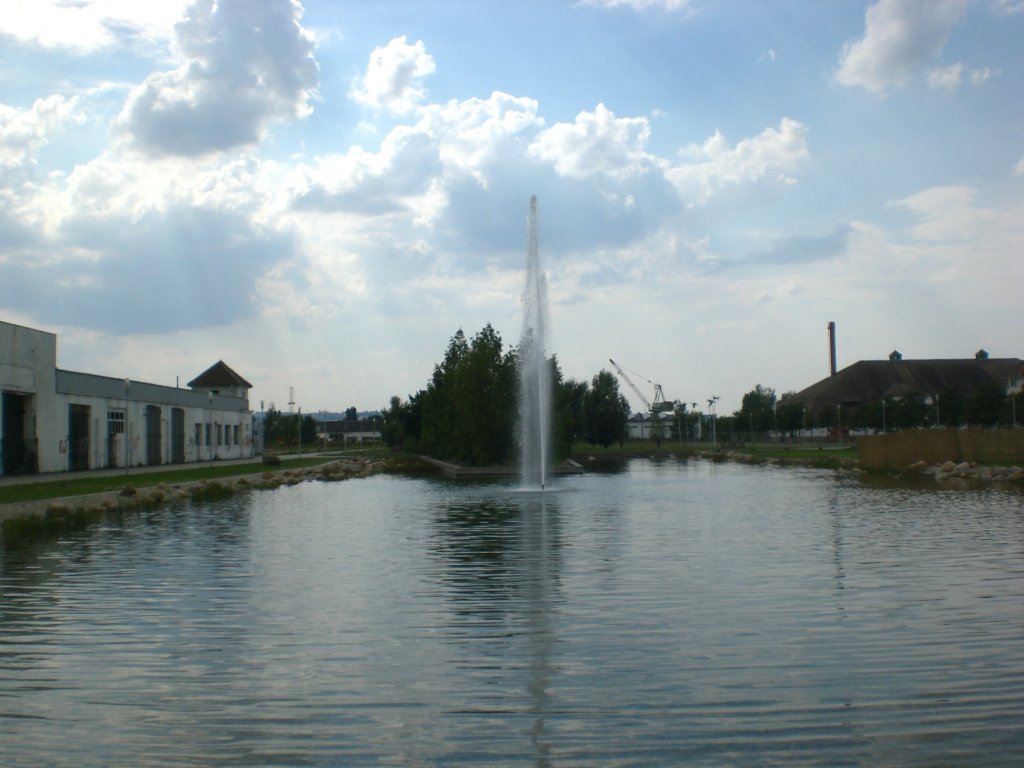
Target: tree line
[[287, 429], [469, 409], [761, 412]]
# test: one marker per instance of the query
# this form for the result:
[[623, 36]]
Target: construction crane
[[658, 404]]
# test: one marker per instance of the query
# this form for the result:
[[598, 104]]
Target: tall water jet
[[534, 369]]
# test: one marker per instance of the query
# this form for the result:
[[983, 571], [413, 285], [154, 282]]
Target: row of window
[[225, 434]]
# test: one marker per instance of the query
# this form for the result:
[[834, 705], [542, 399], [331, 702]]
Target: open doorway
[[17, 440], [78, 437]]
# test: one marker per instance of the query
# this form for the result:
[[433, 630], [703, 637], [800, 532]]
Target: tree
[[757, 411], [791, 414], [567, 419], [351, 414], [483, 387], [402, 423], [283, 429], [467, 412], [605, 411], [438, 427], [986, 405], [308, 427]]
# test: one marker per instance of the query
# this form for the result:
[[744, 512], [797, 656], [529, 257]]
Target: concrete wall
[[28, 371], [897, 450]]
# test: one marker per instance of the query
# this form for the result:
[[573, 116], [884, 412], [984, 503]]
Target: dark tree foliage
[[467, 412], [351, 414], [757, 410], [484, 395], [568, 424], [792, 417], [402, 423], [438, 428], [469, 409], [987, 406], [605, 411], [283, 429]]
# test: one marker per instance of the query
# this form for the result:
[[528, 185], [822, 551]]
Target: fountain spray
[[534, 371]]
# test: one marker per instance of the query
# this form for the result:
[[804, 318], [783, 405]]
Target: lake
[[662, 613]]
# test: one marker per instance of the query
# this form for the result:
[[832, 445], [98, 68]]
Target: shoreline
[[21, 519], [945, 474], [24, 519]]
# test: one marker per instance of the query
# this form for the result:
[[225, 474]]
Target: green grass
[[813, 454], [775, 450], [80, 486]]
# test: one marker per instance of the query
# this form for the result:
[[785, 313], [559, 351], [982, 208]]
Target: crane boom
[[659, 395]]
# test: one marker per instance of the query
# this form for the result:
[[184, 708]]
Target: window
[[199, 434], [115, 422], [234, 434], [208, 430]]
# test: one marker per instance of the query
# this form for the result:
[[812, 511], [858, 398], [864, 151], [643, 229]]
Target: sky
[[322, 194]]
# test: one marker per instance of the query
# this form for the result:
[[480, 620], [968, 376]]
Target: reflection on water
[[668, 613]]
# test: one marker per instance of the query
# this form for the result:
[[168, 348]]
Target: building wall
[[84, 421], [28, 373]]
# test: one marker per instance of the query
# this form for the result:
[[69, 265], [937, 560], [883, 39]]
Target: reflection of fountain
[[534, 373]]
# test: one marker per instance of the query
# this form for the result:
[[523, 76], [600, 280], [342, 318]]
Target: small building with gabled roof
[[219, 378]]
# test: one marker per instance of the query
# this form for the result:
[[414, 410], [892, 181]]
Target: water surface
[[669, 613]]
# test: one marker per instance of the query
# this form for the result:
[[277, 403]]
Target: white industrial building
[[53, 420]]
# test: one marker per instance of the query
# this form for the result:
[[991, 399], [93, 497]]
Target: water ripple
[[671, 613]]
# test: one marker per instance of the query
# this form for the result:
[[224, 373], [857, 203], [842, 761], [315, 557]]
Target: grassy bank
[[83, 484], [815, 455], [48, 507]]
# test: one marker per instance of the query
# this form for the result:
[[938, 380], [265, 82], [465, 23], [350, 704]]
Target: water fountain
[[534, 369]]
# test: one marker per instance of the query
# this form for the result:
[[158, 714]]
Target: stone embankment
[[55, 512], [958, 474]]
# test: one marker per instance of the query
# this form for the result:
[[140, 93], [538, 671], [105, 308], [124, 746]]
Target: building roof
[[874, 380], [219, 375]]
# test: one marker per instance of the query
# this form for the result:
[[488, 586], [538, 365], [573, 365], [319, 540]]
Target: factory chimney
[[832, 347]]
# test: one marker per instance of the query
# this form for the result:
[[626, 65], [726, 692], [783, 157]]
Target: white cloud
[[982, 76], [245, 63], [473, 132], [1018, 169], [154, 245], [901, 40], [371, 183], [88, 25], [946, 78], [597, 142], [24, 131], [714, 164], [952, 215], [415, 166], [950, 78], [394, 77], [1009, 6]]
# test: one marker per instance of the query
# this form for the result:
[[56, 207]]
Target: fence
[[900, 449]]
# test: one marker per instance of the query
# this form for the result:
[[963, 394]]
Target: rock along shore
[[67, 511], [965, 473]]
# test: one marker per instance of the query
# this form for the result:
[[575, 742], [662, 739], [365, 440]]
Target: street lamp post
[[127, 438], [209, 434]]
